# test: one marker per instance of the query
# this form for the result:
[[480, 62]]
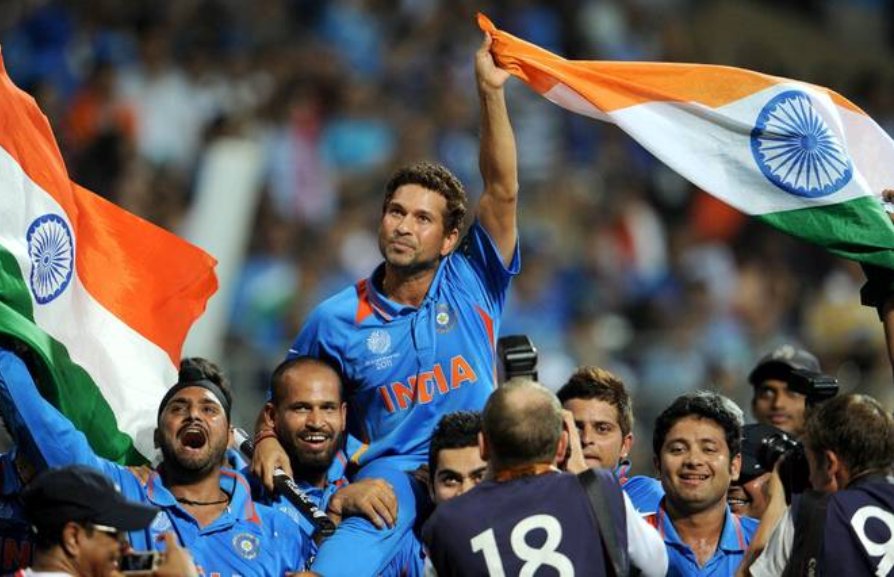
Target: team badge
[[161, 523], [797, 150], [51, 250], [445, 318], [247, 545], [378, 342]]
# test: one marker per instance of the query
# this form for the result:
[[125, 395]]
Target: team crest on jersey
[[378, 342], [161, 523], [445, 318], [247, 545]]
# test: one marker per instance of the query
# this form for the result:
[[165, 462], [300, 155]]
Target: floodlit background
[[264, 130]]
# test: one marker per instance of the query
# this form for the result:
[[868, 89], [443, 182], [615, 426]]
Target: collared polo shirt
[[734, 539]]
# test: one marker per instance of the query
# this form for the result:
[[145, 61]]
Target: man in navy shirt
[[697, 446], [847, 526], [529, 516]]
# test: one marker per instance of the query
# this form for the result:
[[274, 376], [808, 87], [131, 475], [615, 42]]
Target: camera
[[139, 562], [816, 387], [794, 469], [517, 356]]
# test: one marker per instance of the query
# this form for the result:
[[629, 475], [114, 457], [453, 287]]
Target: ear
[[449, 242], [483, 449], [735, 467], [561, 448], [71, 539], [836, 471], [626, 444], [270, 415], [344, 416]]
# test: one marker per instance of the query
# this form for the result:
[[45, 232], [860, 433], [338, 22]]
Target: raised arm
[[497, 157], [46, 436]]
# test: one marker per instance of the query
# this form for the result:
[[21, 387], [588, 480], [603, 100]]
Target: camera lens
[[773, 448]]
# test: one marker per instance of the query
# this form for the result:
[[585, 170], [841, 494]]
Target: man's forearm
[[497, 157]]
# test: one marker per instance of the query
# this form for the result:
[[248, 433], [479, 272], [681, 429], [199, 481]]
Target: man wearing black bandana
[[208, 507]]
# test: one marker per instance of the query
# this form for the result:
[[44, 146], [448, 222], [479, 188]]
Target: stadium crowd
[[655, 290]]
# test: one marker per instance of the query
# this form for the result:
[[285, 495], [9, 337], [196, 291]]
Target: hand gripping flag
[[103, 298], [797, 156]]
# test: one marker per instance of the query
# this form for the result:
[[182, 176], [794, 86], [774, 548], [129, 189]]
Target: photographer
[[79, 520], [762, 445], [849, 445], [775, 401]]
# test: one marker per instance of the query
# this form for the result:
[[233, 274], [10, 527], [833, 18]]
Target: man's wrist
[[263, 435]]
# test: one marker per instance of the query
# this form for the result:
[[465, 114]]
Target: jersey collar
[[241, 505], [389, 310], [732, 538]]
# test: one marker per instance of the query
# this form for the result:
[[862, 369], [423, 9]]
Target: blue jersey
[[532, 525], [16, 539], [247, 539], [734, 539], [645, 493], [405, 367]]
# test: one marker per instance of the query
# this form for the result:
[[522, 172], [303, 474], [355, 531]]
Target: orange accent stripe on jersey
[[250, 512], [364, 307]]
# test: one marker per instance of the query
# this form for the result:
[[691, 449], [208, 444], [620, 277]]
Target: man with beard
[[307, 414], [208, 507], [417, 339]]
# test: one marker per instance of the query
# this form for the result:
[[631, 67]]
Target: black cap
[[780, 362], [752, 438], [84, 495]]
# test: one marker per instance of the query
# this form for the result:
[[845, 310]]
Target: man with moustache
[[417, 339], [774, 403], [697, 446], [455, 465], [209, 508], [307, 414]]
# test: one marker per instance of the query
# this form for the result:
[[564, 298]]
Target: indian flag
[[797, 156], [103, 298]]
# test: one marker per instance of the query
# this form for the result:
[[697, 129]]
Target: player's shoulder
[[342, 305]]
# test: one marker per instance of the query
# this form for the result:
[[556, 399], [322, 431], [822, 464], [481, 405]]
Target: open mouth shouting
[[193, 437]]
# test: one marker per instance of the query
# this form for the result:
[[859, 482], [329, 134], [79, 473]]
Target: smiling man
[[697, 445]]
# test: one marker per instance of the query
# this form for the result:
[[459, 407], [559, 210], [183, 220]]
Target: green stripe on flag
[[63, 382], [858, 229]]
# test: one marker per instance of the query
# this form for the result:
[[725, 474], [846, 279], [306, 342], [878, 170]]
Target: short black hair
[[707, 405], [212, 372], [437, 178], [457, 430], [277, 378]]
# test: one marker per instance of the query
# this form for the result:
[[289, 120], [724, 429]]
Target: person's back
[[522, 526], [859, 533]]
